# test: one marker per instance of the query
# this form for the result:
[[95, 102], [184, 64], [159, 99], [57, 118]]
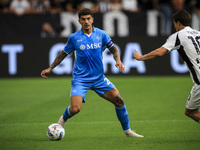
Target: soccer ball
[[55, 132]]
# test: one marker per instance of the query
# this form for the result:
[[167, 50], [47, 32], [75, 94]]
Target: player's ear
[[179, 23], [92, 19]]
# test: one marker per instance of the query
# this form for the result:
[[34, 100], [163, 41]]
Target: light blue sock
[[122, 115], [67, 114]]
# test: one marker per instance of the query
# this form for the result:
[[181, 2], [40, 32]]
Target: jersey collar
[[186, 27]]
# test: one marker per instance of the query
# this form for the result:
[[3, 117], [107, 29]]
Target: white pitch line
[[98, 122]]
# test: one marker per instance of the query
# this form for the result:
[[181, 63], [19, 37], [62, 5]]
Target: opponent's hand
[[120, 65], [137, 55], [45, 72]]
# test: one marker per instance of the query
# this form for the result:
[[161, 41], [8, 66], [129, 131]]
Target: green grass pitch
[[155, 106]]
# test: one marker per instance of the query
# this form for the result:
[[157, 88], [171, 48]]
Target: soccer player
[[88, 74], [187, 41]]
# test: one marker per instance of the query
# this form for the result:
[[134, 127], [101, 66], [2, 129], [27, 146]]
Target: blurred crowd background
[[20, 8]]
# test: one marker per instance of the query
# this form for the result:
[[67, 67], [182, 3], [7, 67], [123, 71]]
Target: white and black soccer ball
[[55, 132]]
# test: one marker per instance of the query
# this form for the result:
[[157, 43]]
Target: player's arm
[[116, 56], [59, 58], [152, 55]]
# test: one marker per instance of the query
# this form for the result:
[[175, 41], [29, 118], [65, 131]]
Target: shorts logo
[[82, 47], [74, 91]]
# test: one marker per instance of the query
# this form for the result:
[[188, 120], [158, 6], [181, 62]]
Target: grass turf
[[155, 106]]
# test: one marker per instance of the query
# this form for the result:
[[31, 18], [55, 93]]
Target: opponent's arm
[[116, 57], [152, 55], [59, 58]]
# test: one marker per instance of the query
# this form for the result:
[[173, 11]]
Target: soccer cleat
[[131, 133], [61, 121]]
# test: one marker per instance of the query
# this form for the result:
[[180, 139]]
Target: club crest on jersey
[[98, 37], [82, 47]]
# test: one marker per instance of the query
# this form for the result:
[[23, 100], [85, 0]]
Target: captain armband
[[110, 44]]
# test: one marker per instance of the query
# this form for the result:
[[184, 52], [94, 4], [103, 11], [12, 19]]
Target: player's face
[[86, 22]]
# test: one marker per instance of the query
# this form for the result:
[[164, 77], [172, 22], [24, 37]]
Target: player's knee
[[75, 110], [189, 112], [119, 101]]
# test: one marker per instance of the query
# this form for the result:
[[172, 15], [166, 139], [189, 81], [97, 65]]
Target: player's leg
[[120, 108], [193, 103], [78, 92], [194, 114], [70, 111], [114, 97], [76, 104]]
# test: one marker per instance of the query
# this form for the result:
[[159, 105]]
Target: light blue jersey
[[88, 71], [88, 62]]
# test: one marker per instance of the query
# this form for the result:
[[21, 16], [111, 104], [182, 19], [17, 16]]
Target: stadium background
[[24, 53]]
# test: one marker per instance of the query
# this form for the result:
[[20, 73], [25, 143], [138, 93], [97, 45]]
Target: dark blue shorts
[[100, 87]]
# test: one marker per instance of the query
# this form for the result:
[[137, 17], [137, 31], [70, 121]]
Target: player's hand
[[45, 72], [120, 65], [137, 55]]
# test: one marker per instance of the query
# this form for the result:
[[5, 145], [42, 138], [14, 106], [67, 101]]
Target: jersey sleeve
[[172, 42], [107, 40], [69, 47]]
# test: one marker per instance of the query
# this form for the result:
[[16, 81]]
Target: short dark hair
[[183, 17], [85, 11]]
